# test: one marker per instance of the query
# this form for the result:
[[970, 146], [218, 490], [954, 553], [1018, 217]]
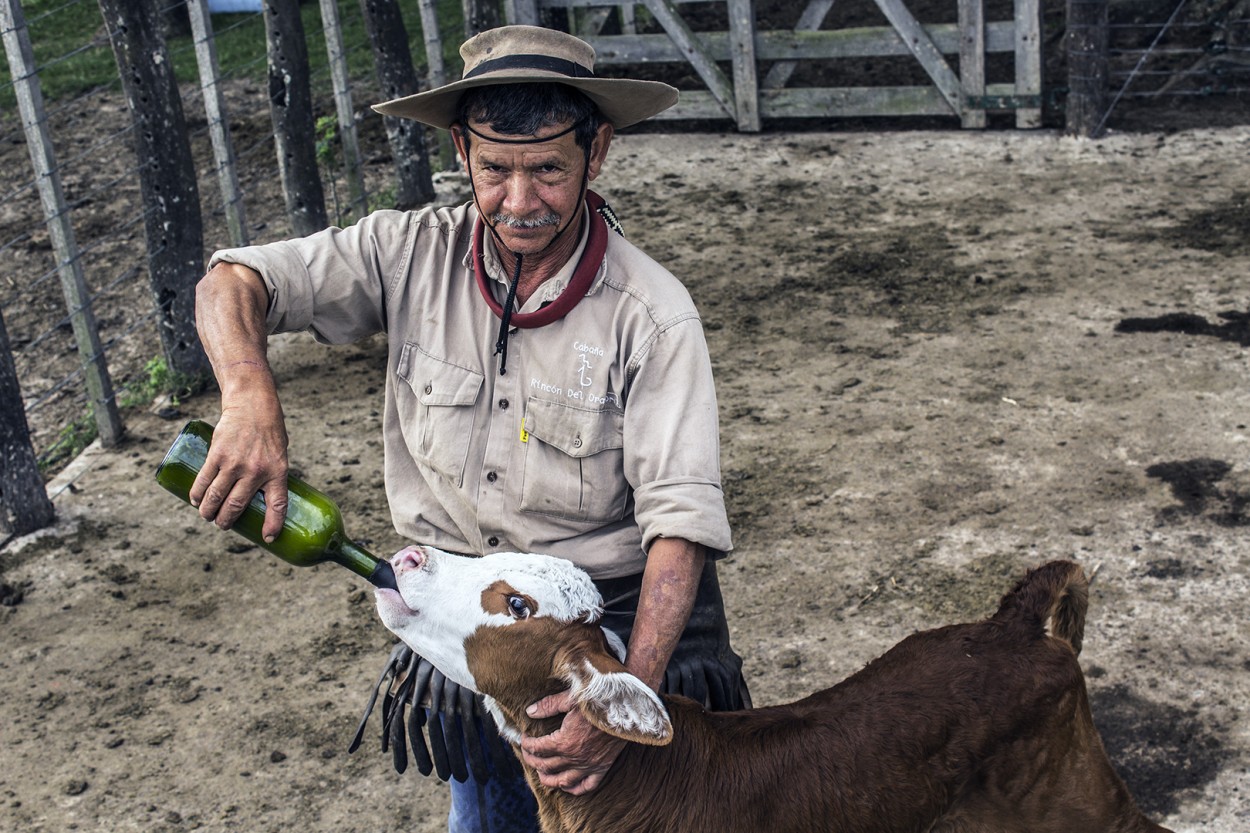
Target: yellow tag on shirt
[[525, 435]]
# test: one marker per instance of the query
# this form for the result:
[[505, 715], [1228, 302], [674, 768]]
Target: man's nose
[[521, 199]]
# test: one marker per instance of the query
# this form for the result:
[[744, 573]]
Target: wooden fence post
[[24, 504], [437, 74], [742, 58], [56, 214], [813, 15], [343, 107], [972, 60], [218, 130], [918, 42], [396, 77], [167, 179], [526, 12], [693, 50], [290, 108], [1029, 61], [1086, 42], [480, 15]]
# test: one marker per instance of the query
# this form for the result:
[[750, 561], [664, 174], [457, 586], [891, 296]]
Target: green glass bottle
[[313, 530]]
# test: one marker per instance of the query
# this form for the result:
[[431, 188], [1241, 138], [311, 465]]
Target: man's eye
[[519, 607]]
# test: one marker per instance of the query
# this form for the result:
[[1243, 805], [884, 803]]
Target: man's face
[[529, 192]]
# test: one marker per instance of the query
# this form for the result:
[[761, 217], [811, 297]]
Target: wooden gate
[[746, 95]]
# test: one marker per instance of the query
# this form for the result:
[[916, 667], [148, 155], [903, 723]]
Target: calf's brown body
[[972, 728]]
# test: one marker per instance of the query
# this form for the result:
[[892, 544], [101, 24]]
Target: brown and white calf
[[972, 728]]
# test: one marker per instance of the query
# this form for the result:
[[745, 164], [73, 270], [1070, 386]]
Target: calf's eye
[[519, 607]]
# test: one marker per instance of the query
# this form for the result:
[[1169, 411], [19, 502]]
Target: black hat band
[[545, 63]]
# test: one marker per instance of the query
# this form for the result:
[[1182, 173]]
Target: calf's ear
[[615, 701]]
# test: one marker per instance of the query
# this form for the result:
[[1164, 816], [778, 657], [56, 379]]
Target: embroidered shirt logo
[[583, 378], [585, 352], [588, 357]]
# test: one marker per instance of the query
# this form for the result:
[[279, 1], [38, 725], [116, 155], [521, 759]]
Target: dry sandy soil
[[942, 357]]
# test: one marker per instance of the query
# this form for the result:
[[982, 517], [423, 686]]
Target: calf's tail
[[1053, 596]]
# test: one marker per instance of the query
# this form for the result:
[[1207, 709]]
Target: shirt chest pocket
[[435, 404], [574, 463]]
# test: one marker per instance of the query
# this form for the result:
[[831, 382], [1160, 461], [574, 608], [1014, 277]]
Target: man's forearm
[[669, 584], [230, 306], [249, 446]]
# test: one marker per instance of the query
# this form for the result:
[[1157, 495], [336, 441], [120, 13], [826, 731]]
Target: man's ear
[[613, 700], [599, 150], [458, 139]]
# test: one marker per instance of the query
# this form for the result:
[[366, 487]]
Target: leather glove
[[450, 715]]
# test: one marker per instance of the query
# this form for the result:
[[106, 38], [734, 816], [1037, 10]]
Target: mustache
[[501, 219]]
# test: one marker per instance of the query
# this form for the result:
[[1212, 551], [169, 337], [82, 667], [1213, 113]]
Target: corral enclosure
[[1169, 67], [942, 357]]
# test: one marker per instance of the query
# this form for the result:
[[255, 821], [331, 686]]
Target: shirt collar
[[553, 286]]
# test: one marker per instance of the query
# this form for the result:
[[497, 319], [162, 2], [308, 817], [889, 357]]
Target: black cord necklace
[[505, 320], [501, 343]]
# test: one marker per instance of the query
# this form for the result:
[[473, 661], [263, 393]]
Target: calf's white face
[[444, 599], [528, 619]]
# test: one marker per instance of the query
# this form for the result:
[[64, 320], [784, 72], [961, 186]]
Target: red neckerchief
[[579, 285]]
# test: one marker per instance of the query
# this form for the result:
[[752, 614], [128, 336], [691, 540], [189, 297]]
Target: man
[[549, 388]]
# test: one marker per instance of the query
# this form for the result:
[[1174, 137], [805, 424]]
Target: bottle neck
[[363, 563]]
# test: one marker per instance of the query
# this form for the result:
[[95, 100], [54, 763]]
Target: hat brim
[[622, 101]]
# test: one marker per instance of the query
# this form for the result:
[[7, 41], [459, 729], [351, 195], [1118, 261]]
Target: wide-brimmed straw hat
[[528, 55]]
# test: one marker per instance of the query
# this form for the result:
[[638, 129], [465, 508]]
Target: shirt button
[[493, 541], [577, 442], [491, 476], [429, 389], [503, 404]]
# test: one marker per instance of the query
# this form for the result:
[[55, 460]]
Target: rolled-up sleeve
[[672, 440], [333, 283]]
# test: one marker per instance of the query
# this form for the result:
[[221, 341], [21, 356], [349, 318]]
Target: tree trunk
[[480, 15], [1086, 42], [175, 236], [396, 77], [290, 107], [24, 504]]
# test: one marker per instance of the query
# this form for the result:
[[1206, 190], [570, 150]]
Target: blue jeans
[[504, 804]]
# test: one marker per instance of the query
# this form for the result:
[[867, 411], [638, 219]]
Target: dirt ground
[[942, 357]]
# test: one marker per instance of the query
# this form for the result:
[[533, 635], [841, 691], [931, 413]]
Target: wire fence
[[1202, 50], [92, 140], [1197, 50]]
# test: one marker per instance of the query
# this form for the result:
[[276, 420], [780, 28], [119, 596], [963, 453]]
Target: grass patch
[[73, 55], [70, 442], [159, 379]]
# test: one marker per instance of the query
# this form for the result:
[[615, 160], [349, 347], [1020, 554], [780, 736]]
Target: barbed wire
[[1205, 92], [1168, 73], [70, 105], [119, 254], [146, 320], [1190, 24], [50, 12], [79, 257], [75, 164], [68, 318], [1182, 50]]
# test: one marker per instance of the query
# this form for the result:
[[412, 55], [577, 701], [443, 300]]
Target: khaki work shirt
[[601, 436]]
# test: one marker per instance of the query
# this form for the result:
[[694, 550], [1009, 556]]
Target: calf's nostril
[[408, 558]]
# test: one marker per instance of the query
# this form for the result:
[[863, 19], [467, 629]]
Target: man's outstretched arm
[[249, 446]]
